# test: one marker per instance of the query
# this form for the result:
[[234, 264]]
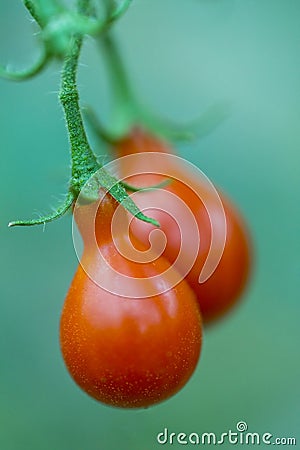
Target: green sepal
[[25, 74], [116, 189], [60, 211], [161, 185]]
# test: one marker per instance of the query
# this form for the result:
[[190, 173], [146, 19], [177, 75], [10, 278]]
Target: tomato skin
[[127, 352], [221, 291]]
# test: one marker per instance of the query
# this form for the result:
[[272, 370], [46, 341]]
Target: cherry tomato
[[124, 351], [223, 288]]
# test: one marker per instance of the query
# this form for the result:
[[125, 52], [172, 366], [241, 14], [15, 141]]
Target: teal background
[[183, 56]]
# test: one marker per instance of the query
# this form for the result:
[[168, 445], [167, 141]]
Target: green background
[[184, 56]]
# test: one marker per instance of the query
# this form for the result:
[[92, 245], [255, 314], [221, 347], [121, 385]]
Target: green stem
[[84, 162], [45, 9], [32, 10], [27, 73], [125, 107], [38, 66], [92, 119], [115, 13]]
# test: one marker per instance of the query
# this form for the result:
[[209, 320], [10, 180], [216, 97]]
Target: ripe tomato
[[134, 350], [223, 288]]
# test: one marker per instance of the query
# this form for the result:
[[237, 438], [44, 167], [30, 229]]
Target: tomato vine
[[63, 33], [120, 350]]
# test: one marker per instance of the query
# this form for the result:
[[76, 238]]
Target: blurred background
[[184, 57]]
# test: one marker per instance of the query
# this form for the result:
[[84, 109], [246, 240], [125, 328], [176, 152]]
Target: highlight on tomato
[[222, 289], [130, 329]]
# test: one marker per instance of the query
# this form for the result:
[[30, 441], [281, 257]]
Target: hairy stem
[[84, 162]]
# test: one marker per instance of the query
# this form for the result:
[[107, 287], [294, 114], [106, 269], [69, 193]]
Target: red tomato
[[126, 351], [223, 288]]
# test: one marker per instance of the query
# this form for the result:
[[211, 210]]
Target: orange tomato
[[131, 350], [223, 288]]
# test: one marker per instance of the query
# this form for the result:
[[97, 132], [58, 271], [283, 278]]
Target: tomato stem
[[36, 68], [114, 12], [125, 110], [128, 111], [85, 167], [84, 162], [32, 10]]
